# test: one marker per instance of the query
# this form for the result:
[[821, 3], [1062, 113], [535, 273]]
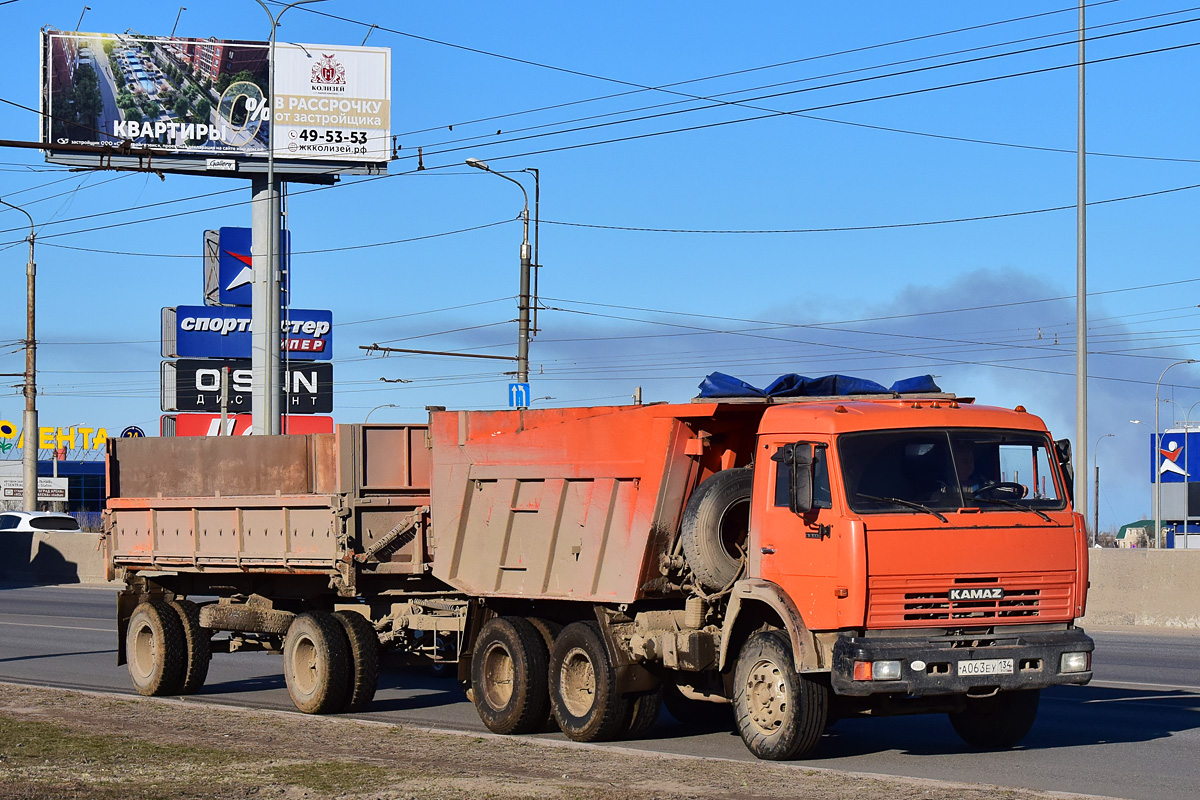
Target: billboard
[[1171, 462], [237, 425], [206, 99], [195, 385], [216, 332]]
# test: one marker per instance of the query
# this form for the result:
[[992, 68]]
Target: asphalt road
[[1133, 733]]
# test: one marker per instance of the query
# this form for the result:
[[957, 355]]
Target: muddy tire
[[583, 692], [997, 723], [508, 676], [780, 713], [364, 660], [716, 523], [246, 618], [198, 644], [643, 713], [316, 663], [156, 650]]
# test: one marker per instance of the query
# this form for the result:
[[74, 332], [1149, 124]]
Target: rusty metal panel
[[205, 466], [394, 457], [562, 503]]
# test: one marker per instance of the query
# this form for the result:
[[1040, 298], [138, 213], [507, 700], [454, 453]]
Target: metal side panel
[[283, 532]]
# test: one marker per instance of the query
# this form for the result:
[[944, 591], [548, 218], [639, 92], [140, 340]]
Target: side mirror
[[797, 459], [1063, 448]]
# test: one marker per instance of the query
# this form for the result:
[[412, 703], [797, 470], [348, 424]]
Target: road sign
[[192, 384], [238, 425], [213, 332], [133, 432], [518, 395], [229, 268]]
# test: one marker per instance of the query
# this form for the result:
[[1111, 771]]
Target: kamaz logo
[[993, 593]]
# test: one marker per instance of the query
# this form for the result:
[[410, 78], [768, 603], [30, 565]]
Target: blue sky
[[986, 305]]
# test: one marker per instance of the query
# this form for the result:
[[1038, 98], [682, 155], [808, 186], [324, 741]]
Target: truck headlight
[[1074, 662], [886, 670]]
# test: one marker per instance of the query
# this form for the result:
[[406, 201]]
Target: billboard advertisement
[[195, 385], [207, 98], [216, 332], [1170, 462], [237, 425]]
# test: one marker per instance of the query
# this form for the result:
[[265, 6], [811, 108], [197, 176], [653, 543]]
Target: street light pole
[[1158, 447], [523, 302], [376, 408], [265, 323], [29, 453], [177, 16], [1096, 510]]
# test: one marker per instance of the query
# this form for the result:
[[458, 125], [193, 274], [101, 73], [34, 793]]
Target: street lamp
[[1158, 447], [1096, 510], [267, 282], [81, 13], [176, 25], [523, 302], [29, 452], [376, 408]]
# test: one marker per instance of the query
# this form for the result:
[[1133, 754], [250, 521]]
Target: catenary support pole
[[1081, 366]]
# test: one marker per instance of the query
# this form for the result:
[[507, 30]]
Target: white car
[[27, 521]]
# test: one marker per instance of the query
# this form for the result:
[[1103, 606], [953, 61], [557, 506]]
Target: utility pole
[[526, 260], [29, 453], [1081, 352]]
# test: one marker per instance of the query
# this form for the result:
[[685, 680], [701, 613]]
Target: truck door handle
[[768, 551]]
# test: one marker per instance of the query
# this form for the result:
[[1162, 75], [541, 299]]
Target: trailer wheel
[[198, 645], [780, 713], [549, 629], [716, 523], [583, 690], [316, 663], [364, 659], [508, 676], [155, 649], [999, 722], [643, 713]]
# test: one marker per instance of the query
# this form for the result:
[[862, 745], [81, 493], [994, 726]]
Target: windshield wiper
[[906, 503], [1011, 504]]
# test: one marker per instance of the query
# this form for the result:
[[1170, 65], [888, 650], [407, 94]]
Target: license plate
[[986, 666]]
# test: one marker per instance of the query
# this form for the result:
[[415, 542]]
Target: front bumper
[[931, 665]]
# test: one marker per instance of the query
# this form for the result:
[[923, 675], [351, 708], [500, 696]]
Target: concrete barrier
[[45, 557], [1144, 587]]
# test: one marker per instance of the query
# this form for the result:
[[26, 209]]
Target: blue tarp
[[718, 384]]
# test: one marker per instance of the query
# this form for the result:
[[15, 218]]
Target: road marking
[[60, 627], [1127, 684]]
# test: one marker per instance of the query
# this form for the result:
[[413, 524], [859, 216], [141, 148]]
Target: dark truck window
[[54, 523], [7, 522], [822, 497], [948, 469]]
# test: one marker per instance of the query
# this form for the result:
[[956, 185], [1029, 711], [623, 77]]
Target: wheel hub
[[498, 674], [768, 698], [145, 651], [578, 678], [306, 666]]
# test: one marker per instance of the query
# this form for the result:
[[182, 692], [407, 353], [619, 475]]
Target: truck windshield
[[948, 469]]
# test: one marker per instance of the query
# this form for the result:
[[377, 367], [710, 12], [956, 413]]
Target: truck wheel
[[999, 722], [643, 713], [316, 663], [549, 629], [780, 713], [198, 645], [364, 659], [508, 676], [716, 522], [583, 690], [155, 649]]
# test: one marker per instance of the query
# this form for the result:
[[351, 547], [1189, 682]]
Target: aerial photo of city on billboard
[[208, 97]]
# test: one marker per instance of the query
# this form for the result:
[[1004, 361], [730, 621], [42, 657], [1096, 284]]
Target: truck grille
[[918, 601]]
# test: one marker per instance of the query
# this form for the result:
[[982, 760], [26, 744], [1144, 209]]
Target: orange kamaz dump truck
[[780, 564]]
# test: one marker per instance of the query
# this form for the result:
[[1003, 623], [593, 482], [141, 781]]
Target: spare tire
[[716, 525]]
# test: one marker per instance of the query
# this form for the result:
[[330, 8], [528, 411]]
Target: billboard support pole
[[264, 353]]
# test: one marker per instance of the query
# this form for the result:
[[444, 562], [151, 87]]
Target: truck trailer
[[779, 564]]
